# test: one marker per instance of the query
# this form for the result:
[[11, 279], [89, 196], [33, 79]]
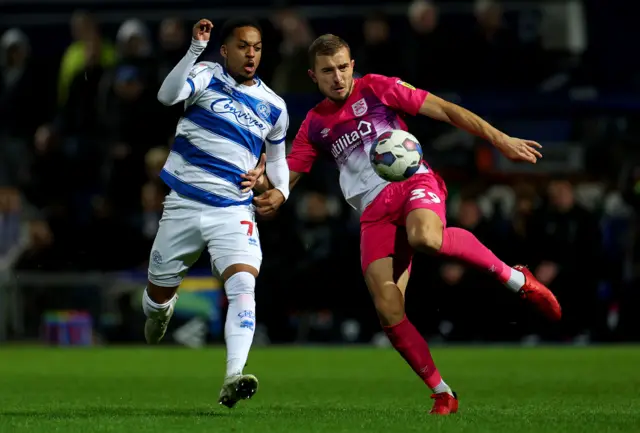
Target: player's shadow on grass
[[93, 412]]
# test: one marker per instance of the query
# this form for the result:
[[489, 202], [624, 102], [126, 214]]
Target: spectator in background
[[153, 193], [129, 89], [134, 47], [492, 51], [630, 295], [70, 145], [377, 41], [25, 236], [79, 114], [173, 43], [119, 218], [290, 76], [131, 210], [133, 41], [479, 291], [567, 242], [85, 30], [131, 135], [70, 153], [430, 52], [11, 238], [318, 229], [517, 245], [19, 121]]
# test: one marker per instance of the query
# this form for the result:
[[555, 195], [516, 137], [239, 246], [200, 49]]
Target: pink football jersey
[[347, 131]]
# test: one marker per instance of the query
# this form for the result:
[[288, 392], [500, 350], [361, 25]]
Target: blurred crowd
[[82, 141]]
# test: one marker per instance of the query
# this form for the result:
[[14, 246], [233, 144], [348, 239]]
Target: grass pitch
[[512, 390]]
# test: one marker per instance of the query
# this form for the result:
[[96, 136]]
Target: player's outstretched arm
[[513, 148], [177, 86]]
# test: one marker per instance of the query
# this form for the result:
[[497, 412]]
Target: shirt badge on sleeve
[[407, 85], [197, 69]]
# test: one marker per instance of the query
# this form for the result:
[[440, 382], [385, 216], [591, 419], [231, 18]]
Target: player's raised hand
[[252, 176], [202, 30], [517, 149], [268, 203]]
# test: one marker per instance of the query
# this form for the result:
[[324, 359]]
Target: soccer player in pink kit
[[396, 218]]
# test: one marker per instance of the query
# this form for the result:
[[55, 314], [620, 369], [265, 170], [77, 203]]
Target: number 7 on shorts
[[249, 225]]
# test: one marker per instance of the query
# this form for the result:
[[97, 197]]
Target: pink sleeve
[[397, 94], [303, 153]]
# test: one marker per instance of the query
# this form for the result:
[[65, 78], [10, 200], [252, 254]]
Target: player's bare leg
[[426, 233], [387, 290], [239, 284], [158, 304]]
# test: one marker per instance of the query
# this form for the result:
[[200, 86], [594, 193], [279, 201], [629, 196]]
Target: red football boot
[[444, 404], [536, 292]]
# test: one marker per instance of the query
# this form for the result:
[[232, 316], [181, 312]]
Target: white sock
[[154, 310], [241, 320], [515, 281], [442, 387]]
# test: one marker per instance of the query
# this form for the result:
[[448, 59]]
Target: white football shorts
[[187, 227]]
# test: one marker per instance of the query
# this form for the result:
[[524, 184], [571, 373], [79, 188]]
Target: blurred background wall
[[82, 139]]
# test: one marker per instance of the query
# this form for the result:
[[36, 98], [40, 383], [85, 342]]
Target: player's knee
[[426, 238], [165, 274], [159, 294], [389, 306], [240, 284], [424, 231], [228, 266]]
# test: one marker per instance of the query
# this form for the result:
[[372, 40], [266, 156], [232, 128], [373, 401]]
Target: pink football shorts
[[382, 224]]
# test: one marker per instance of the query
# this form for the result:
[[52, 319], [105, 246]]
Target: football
[[396, 155]]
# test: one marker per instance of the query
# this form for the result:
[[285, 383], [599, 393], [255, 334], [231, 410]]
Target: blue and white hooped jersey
[[221, 135]]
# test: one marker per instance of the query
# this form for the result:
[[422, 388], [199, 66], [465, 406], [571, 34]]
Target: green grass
[[510, 390]]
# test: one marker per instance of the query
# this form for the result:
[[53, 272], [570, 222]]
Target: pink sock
[[464, 246], [406, 339]]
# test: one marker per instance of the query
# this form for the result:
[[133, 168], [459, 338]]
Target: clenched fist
[[202, 30]]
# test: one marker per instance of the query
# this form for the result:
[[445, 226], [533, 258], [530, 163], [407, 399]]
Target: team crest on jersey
[[407, 85], [156, 257], [359, 107], [263, 110]]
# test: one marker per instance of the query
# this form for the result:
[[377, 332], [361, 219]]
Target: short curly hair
[[235, 23]]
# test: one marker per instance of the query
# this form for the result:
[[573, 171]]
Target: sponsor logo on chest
[[344, 145], [229, 108]]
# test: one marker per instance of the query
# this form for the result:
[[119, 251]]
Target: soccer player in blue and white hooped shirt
[[229, 114]]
